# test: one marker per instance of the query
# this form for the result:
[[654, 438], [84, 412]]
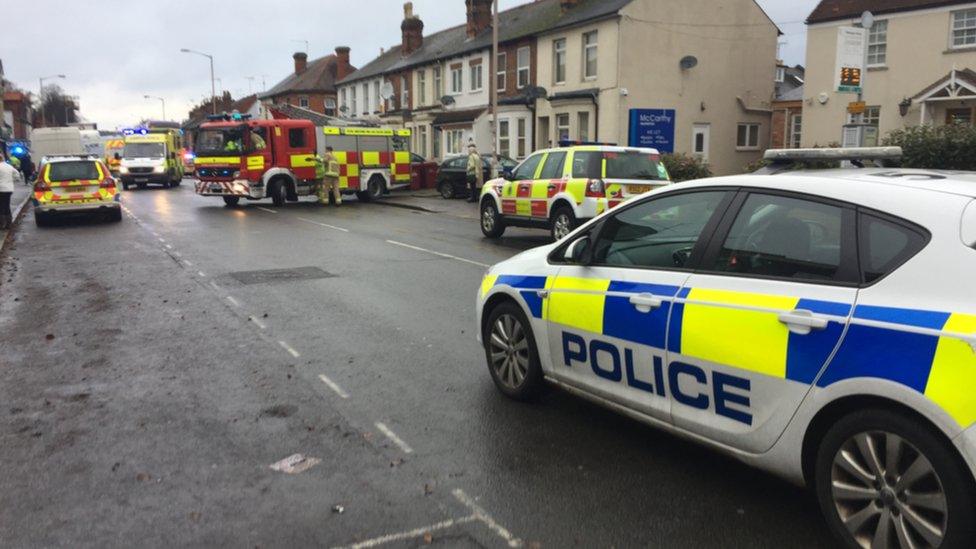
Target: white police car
[[820, 325]]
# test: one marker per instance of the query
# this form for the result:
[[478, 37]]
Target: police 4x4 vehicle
[[75, 184], [560, 188], [820, 325]]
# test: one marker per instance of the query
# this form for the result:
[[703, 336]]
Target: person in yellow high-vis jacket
[[330, 183]]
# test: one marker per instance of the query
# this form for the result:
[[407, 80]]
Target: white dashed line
[[187, 262], [258, 323], [335, 387], [267, 210], [163, 240], [214, 285], [234, 302], [439, 254], [288, 348], [412, 534], [484, 517], [169, 246], [326, 225], [202, 274], [394, 438]]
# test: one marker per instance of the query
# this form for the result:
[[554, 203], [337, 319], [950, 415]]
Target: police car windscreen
[[70, 171], [619, 165], [144, 150]]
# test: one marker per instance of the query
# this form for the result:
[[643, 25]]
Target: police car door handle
[[645, 303], [802, 322], [543, 294]]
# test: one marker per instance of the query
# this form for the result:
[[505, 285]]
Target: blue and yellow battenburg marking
[[943, 368]]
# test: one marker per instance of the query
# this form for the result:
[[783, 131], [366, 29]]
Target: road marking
[[439, 254], [214, 285], [288, 348], [394, 438], [187, 262], [267, 210], [234, 302], [411, 534], [484, 517], [258, 323], [169, 246], [332, 385], [326, 225], [163, 240], [201, 273]]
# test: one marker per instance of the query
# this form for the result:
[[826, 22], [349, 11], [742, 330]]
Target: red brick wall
[[783, 111], [316, 101], [510, 50]]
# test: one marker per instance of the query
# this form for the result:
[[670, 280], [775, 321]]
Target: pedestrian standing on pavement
[[8, 174], [329, 191], [475, 173]]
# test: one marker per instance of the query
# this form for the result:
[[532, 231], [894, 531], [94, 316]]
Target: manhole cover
[[280, 275]]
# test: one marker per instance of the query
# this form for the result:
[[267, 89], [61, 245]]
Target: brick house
[[786, 122], [312, 85]]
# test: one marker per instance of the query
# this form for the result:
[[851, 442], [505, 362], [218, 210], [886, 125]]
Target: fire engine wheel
[[278, 193], [375, 187], [492, 224], [231, 201]]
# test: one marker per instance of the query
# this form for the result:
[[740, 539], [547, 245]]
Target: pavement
[[18, 200], [154, 370]]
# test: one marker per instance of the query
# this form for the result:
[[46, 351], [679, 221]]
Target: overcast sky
[[114, 52]]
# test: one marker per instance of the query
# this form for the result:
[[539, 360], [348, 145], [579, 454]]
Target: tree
[[58, 109], [205, 108]]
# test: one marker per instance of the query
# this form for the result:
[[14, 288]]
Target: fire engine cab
[[281, 159]]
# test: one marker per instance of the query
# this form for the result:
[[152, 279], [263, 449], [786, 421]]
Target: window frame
[[596, 55], [404, 94], [521, 137], [366, 98], [519, 68], [882, 46], [457, 72], [438, 83], [557, 126], [749, 126], [421, 87], [583, 125], [504, 137], [953, 29], [849, 270], [303, 101], [476, 70], [557, 53], [557, 257], [501, 71], [796, 130]]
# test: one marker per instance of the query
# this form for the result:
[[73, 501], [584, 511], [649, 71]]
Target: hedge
[[684, 167], [949, 147]]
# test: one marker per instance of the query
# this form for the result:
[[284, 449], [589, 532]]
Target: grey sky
[[116, 51]]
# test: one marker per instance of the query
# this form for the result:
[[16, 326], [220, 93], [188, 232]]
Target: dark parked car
[[452, 179]]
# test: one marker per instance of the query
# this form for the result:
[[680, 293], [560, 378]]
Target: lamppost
[[213, 85], [161, 100], [40, 92]]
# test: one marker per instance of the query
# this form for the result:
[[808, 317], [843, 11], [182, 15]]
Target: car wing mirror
[[579, 252]]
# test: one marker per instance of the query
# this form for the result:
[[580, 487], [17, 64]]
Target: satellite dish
[[867, 20], [447, 100], [386, 91], [688, 62]]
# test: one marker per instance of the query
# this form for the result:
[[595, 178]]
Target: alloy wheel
[[488, 219], [561, 226], [887, 493], [509, 350]]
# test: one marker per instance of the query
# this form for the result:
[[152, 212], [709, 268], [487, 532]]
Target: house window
[[303, 101], [345, 100], [589, 55], [330, 106], [961, 117], [438, 86], [524, 59], [700, 138], [780, 74], [456, 79], [421, 88], [404, 93], [476, 77], [583, 121], [796, 130], [562, 127], [454, 141], [421, 144], [878, 44], [748, 136], [559, 61], [504, 146], [500, 72], [366, 99], [963, 28], [352, 104], [377, 100], [871, 115], [521, 138]]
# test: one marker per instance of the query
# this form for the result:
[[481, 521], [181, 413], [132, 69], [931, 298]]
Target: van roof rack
[[779, 160]]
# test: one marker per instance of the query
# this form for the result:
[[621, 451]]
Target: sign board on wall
[[653, 128], [851, 47]]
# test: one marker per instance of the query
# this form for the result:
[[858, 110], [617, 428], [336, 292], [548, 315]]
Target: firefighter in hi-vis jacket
[[330, 183]]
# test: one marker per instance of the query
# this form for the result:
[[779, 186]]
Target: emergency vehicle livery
[[560, 188], [75, 184], [281, 159], [150, 156], [819, 325]]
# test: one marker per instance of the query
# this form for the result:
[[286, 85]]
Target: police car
[[75, 184], [820, 325], [561, 188]]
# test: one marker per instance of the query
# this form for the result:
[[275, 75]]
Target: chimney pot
[[412, 31], [301, 62], [343, 67], [479, 16]]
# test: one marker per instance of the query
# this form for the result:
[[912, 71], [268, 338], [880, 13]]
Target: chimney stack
[[412, 30], [567, 5], [479, 16], [301, 62], [343, 68]]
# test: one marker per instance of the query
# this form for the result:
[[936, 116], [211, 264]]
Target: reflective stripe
[[255, 162], [371, 158], [578, 303], [303, 160], [208, 160], [952, 378], [487, 283]]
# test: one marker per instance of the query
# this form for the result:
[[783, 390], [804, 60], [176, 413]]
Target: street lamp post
[[40, 93], [213, 85], [161, 100]]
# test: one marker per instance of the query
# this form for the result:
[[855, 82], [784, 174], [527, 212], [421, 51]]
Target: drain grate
[[273, 276]]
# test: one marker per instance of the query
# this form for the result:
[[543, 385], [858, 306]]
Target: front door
[[762, 315], [607, 321]]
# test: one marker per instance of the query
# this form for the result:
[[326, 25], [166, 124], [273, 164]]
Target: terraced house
[[921, 66], [692, 76]]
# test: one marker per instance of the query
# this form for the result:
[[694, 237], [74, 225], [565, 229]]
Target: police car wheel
[[563, 222], [492, 224], [884, 479], [41, 219], [511, 353]]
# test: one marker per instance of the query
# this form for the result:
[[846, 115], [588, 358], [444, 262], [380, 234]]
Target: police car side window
[[526, 170], [784, 237], [886, 245], [659, 233], [553, 168]]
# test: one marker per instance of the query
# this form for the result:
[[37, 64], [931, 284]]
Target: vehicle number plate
[[142, 180], [216, 188], [638, 189]]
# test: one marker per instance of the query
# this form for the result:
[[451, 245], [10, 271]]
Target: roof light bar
[[850, 153]]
